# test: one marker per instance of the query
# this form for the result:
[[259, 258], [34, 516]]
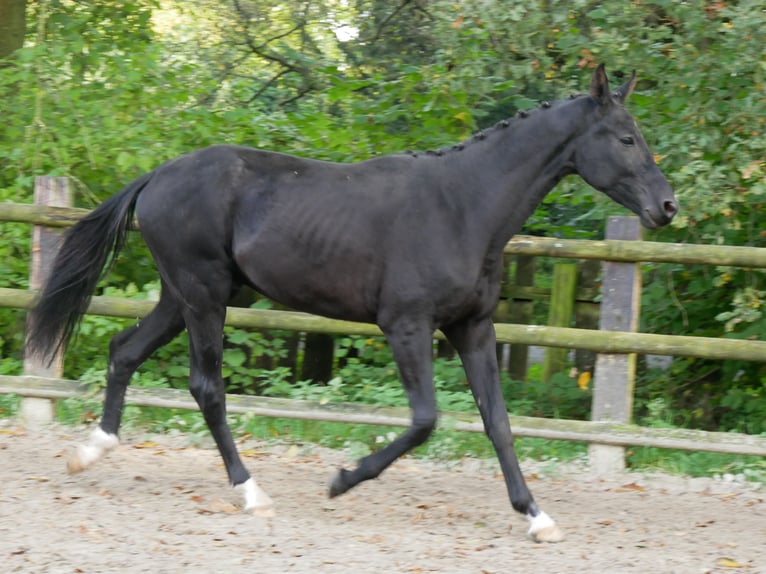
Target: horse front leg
[[411, 344], [474, 341]]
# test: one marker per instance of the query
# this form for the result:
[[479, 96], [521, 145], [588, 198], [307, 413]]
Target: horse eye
[[627, 140]]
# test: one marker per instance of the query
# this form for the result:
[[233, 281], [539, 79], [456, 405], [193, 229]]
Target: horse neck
[[506, 172]]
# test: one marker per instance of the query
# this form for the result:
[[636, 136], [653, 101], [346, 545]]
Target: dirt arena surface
[[157, 504]]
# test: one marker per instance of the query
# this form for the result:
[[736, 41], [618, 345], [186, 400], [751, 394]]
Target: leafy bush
[[102, 92]]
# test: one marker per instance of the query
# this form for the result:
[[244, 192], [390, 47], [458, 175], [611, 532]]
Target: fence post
[[587, 312], [560, 314], [49, 191], [615, 373], [318, 357], [502, 312], [521, 313]]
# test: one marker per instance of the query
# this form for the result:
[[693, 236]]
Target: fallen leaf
[[219, 506], [292, 451], [630, 486], [728, 563], [89, 416], [376, 539], [145, 444], [252, 453]]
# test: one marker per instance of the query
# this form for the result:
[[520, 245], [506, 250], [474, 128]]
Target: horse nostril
[[671, 208]]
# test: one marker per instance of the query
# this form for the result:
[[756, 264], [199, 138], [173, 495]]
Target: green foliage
[[561, 397], [660, 414], [9, 405], [369, 376], [104, 91]]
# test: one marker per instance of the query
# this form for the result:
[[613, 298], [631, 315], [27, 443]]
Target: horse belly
[[342, 287]]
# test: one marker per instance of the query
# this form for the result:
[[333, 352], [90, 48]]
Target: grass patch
[[360, 440], [697, 464]]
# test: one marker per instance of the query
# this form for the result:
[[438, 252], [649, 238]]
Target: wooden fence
[[609, 432]]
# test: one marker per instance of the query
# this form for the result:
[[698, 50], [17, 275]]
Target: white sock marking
[[539, 522], [98, 444], [256, 499]]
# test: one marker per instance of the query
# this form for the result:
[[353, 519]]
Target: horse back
[[323, 237]]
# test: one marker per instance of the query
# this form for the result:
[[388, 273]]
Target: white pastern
[[542, 528], [99, 443], [257, 501]]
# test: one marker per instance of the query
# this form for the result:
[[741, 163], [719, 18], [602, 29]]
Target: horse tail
[[87, 253]]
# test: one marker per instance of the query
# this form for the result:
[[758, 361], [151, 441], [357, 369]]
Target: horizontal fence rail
[[606, 250], [605, 342], [552, 429], [646, 251], [568, 337]]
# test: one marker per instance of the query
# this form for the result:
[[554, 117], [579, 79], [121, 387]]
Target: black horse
[[412, 242]]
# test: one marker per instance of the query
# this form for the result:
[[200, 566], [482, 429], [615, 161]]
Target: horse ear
[[599, 85], [626, 89]]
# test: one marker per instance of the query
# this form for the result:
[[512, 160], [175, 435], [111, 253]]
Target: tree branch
[[388, 18], [261, 50], [265, 87]]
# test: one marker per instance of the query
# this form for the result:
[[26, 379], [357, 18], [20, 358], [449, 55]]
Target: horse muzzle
[[660, 214]]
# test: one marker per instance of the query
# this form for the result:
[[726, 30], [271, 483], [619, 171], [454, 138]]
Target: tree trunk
[[13, 24]]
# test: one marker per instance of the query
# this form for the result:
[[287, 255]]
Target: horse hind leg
[[204, 317], [127, 351]]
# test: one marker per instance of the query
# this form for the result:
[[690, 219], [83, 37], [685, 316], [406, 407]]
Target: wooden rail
[[567, 337], [605, 343], [606, 250], [553, 429]]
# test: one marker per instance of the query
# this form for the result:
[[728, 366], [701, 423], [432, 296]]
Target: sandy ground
[[157, 504]]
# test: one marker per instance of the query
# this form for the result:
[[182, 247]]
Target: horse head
[[613, 157]]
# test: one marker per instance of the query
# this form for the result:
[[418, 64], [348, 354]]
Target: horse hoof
[[99, 443], [257, 502], [339, 483], [83, 457], [548, 534], [544, 529], [74, 465], [262, 511]]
